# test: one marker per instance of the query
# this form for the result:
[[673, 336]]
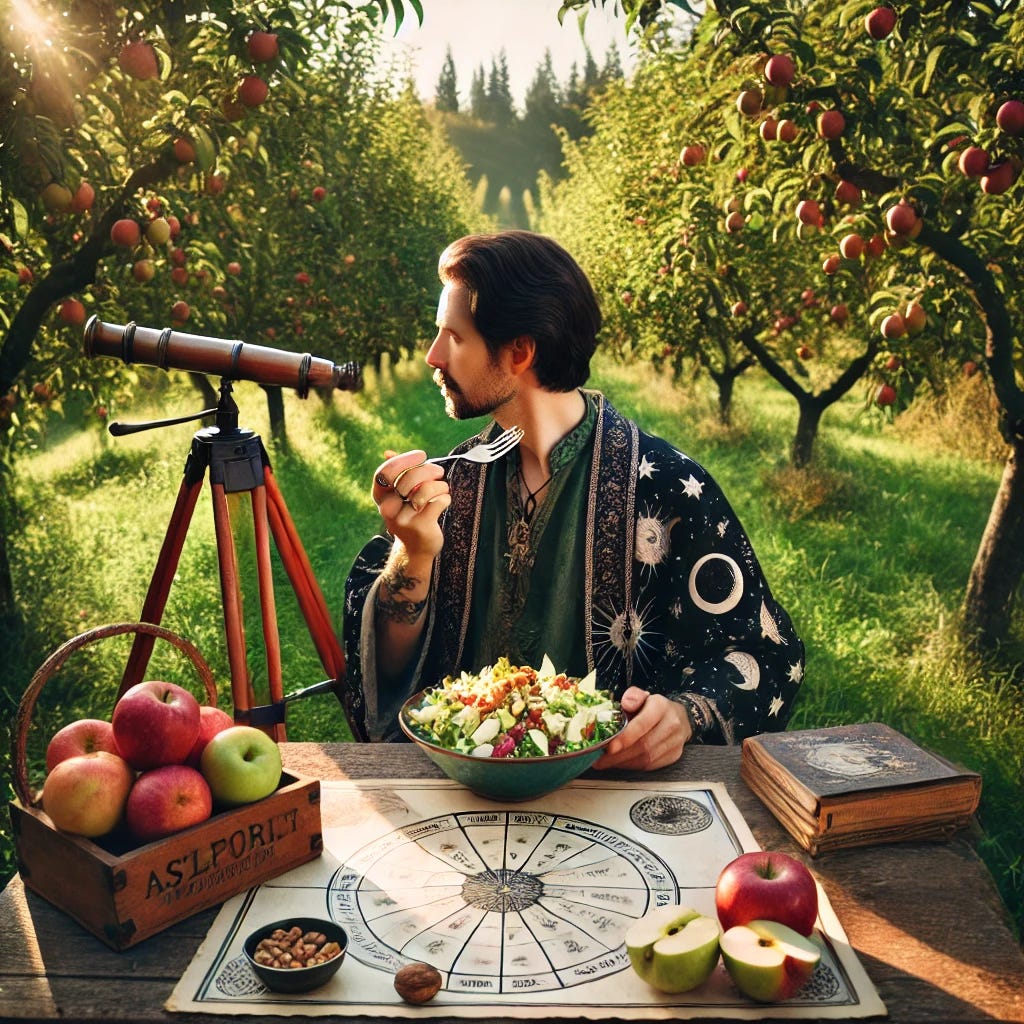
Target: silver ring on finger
[[382, 480]]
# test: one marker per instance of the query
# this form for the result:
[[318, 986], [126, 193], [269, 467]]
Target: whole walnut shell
[[417, 983]]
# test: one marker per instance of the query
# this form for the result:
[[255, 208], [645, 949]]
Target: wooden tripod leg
[[268, 607], [300, 573], [231, 598], [160, 584]]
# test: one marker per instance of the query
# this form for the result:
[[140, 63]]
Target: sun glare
[[37, 28]]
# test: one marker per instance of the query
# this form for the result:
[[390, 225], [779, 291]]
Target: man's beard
[[459, 407]]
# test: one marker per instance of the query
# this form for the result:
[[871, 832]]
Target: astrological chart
[[522, 908]]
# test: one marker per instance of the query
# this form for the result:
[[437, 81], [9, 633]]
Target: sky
[[478, 30]]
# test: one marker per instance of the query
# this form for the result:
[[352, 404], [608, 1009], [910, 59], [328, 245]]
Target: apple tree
[[695, 264]]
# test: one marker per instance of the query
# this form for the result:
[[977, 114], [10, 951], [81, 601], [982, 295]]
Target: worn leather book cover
[[853, 784]]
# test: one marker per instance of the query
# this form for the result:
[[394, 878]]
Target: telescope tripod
[[237, 463]]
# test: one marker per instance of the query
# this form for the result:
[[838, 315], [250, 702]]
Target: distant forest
[[506, 149]]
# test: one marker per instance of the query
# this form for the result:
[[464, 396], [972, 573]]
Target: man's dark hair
[[524, 284]]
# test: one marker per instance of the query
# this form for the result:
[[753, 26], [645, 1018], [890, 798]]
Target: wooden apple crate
[[124, 893]]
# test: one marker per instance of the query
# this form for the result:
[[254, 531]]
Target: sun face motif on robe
[[622, 635], [652, 543]]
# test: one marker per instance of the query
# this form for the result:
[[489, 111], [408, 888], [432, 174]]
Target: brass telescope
[[232, 360]]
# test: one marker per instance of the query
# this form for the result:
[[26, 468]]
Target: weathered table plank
[[924, 918]]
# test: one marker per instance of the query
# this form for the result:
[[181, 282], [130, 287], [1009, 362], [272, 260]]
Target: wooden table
[[925, 919]]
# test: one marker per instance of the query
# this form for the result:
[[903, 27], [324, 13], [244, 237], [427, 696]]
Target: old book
[[855, 784]]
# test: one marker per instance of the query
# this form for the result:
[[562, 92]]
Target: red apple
[[848, 194], [155, 723], [72, 312], [180, 311], [767, 886], [1010, 117], [851, 246], [973, 162], [831, 264], [319, 194], [779, 70], [252, 91], [885, 395], [880, 22], [25, 275], [166, 800], [998, 178], [263, 46], [787, 130], [184, 151], [214, 184], [749, 102], [734, 223], [212, 720], [769, 130], [893, 326], [808, 212], [138, 59], [840, 313], [915, 318], [875, 245], [86, 794], [831, 124], [143, 270], [901, 218], [84, 736], [83, 198], [125, 232], [690, 156], [234, 268], [739, 309]]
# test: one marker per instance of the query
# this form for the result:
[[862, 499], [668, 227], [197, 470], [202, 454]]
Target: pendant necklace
[[519, 555]]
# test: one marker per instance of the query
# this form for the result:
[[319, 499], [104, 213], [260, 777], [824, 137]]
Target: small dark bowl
[[297, 979]]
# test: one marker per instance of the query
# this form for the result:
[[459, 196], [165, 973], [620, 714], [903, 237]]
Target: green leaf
[[20, 217], [930, 64], [206, 149]]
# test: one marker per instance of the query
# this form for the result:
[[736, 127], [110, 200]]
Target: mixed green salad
[[511, 711]]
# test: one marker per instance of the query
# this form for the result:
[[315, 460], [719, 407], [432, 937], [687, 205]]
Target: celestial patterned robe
[[676, 601]]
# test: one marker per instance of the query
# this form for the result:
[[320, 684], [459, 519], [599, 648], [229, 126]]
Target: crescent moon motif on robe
[[747, 666], [731, 599]]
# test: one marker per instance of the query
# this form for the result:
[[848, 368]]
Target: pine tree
[[446, 96], [478, 95], [499, 95]]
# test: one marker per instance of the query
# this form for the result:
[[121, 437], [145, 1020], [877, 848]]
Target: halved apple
[[673, 948], [768, 961]]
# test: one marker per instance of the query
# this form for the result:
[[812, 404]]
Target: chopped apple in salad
[[513, 711]]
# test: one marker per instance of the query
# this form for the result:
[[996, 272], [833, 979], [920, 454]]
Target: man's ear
[[522, 351]]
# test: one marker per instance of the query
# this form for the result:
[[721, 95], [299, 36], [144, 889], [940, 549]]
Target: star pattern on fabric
[[647, 469], [796, 673], [692, 487], [775, 707]]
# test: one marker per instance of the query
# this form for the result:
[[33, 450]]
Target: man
[[592, 542]]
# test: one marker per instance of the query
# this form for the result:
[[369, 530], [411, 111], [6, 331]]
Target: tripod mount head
[[232, 360]]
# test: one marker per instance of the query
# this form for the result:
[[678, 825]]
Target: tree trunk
[[11, 623], [206, 390], [806, 431], [999, 563], [275, 409]]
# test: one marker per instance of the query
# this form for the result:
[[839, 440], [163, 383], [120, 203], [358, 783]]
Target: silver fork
[[501, 445]]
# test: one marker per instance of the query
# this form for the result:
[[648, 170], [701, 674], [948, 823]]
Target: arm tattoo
[[390, 606]]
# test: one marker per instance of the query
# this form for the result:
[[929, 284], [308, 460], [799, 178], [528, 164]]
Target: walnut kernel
[[417, 983]]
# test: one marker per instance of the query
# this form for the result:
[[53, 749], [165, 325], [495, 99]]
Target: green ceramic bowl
[[509, 779]]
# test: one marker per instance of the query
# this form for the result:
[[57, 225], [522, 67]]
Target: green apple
[[241, 764], [768, 961], [673, 948]]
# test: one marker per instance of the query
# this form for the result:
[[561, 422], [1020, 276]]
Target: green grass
[[870, 551]]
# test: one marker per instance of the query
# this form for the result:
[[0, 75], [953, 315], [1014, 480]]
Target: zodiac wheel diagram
[[499, 901]]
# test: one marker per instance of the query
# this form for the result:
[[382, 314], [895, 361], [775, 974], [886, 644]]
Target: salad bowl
[[505, 778]]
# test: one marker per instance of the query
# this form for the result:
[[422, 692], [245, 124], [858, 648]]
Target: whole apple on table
[[767, 907], [162, 763]]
